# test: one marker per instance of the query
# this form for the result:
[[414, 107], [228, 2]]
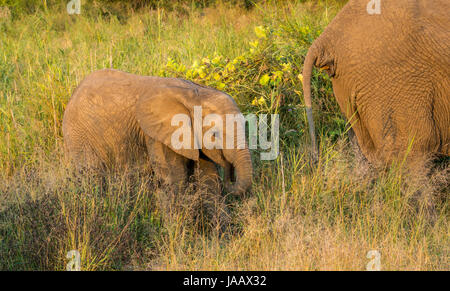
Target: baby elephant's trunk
[[244, 171]]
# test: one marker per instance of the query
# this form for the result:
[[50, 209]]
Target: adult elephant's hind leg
[[363, 168]]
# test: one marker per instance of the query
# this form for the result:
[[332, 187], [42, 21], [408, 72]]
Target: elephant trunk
[[242, 164], [308, 65]]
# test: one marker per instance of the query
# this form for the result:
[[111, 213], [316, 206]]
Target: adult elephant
[[114, 118], [390, 71]]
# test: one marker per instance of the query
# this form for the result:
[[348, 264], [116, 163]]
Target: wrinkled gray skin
[[114, 118], [390, 75]]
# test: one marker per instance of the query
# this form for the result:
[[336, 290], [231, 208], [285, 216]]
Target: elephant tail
[[308, 65]]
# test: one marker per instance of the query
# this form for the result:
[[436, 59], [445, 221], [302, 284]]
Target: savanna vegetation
[[298, 216]]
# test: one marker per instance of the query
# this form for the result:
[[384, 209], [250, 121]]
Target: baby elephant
[[115, 118]]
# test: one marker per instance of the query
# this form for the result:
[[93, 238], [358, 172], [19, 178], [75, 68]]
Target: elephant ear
[[154, 113]]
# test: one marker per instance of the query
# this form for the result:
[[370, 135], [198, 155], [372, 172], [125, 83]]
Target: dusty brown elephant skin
[[390, 75], [115, 117]]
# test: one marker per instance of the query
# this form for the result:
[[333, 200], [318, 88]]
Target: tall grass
[[297, 216]]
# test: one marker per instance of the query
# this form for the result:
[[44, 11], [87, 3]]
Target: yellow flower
[[200, 72], [286, 67], [305, 30], [260, 32], [238, 59], [206, 61], [261, 101], [221, 86], [264, 80], [170, 63], [216, 76], [254, 43], [216, 60], [230, 68], [300, 77], [277, 75]]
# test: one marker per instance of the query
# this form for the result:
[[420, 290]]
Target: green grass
[[297, 216]]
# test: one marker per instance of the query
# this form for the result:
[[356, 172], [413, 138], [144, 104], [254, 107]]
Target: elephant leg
[[85, 158], [209, 182], [217, 157], [167, 165], [362, 167], [359, 134], [171, 172], [208, 176]]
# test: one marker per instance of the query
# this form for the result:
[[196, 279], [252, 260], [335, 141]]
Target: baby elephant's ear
[[161, 107]]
